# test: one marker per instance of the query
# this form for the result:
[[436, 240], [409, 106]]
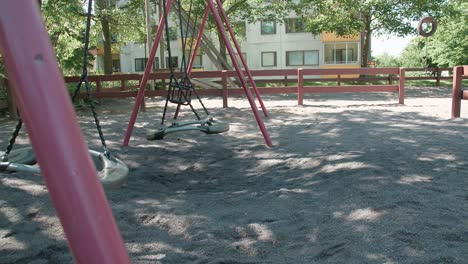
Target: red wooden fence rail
[[126, 91], [284, 78]]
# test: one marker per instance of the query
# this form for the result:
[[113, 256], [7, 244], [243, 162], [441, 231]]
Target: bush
[[387, 60]]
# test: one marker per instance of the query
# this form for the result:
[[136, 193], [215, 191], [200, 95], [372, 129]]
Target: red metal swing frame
[[45, 106], [56, 138], [219, 16]]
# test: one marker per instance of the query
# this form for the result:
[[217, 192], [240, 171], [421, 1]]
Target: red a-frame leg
[[56, 138]]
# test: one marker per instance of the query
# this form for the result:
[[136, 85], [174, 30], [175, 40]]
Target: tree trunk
[[222, 50], [162, 60], [107, 46], [149, 37], [366, 44]]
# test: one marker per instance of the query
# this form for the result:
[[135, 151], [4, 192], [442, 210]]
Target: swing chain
[[84, 79], [181, 90], [11, 143]]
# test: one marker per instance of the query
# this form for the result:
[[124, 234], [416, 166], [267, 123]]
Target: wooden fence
[[289, 81], [298, 76]]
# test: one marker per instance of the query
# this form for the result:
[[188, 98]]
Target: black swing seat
[[21, 159], [114, 172], [207, 126]]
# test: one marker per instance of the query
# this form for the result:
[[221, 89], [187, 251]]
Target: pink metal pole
[[239, 51], [144, 79], [199, 37], [56, 138], [222, 31]]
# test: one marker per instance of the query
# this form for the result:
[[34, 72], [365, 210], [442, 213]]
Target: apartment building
[[267, 45]]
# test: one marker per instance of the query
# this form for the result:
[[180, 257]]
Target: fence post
[[98, 90], [300, 86], [457, 91], [285, 80], [224, 79], [401, 87], [339, 80], [11, 101], [438, 76], [390, 79], [123, 85]]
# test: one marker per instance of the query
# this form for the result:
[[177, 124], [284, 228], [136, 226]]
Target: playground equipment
[[180, 87], [427, 26], [458, 93], [114, 172], [56, 138]]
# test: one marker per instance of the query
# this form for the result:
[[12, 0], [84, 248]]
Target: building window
[[198, 62], [342, 53], [268, 28], [115, 65], [269, 59], [294, 25], [302, 58], [140, 64], [174, 62]]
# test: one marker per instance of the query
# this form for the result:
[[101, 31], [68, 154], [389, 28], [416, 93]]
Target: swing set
[[181, 89], [57, 142], [114, 172]]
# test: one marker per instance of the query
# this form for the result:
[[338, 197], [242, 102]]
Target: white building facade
[[267, 45]]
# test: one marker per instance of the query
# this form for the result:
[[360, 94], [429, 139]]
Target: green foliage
[[413, 55], [345, 17], [448, 47], [65, 23], [387, 60], [119, 23], [379, 16], [127, 21]]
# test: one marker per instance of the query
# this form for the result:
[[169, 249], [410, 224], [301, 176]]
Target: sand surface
[[352, 178]]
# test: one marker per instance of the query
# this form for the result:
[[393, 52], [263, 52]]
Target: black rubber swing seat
[[114, 172], [21, 159], [208, 129], [21, 155]]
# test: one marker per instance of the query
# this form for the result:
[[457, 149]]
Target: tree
[[240, 12], [448, 47], [386, 60], [345, 17], [413, 56], [65, 23], [119, 23]]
